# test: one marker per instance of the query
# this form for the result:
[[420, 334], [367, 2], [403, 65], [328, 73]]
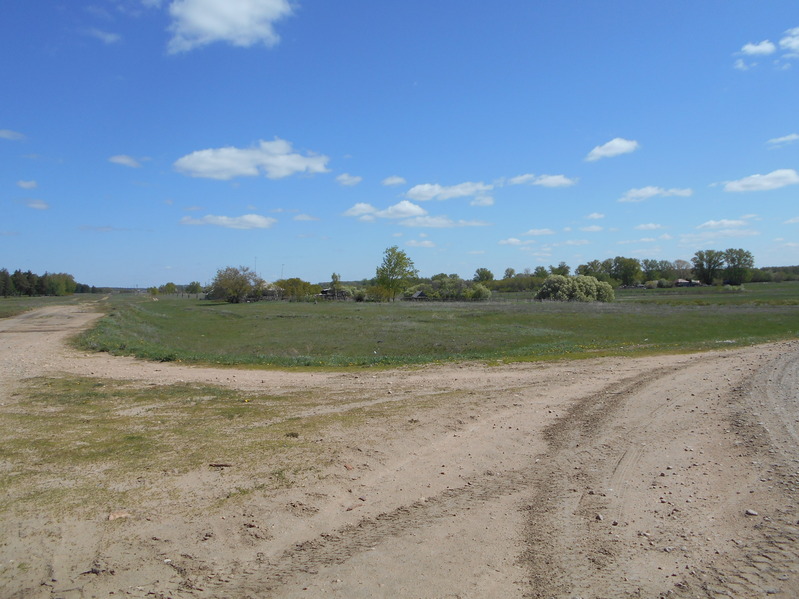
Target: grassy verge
[[351, 334]]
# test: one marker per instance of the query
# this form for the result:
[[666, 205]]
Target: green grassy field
[[339, 334]]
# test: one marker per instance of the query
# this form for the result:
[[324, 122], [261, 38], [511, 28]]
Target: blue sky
[[147, 141]]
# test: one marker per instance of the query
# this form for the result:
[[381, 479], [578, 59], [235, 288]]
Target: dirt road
[[671, 476]]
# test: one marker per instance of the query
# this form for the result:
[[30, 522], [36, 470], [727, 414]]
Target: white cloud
[[543, 180], [615, 147], [360, 209], [37, 204], [595, 216], [125, 160], [722, 224], [441, 222], [779, 142], [244, 23], [537, 232], [367, 212], [104, 36], [274, 158], [642, 240], [591, 229], [790, 42], [246, 221], [516, 242], [394, 180], [305, 218], [403, 209], [773, 180], [434, 191], [792, 221], [644, 193], [694, 239], [554, 181], [482, 201], [348, 180], [11, 135], [415, 243], [763, 48], [27, 184], [648, 227]]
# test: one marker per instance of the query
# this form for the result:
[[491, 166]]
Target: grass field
[[335, 334]]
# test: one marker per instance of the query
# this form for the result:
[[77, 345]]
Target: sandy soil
[[672, 476]]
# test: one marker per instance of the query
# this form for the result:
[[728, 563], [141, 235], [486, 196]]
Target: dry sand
[[598, 478]]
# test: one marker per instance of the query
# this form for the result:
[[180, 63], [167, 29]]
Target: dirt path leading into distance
[[671, 476]]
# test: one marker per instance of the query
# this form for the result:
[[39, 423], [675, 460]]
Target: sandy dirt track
[[671, 476]]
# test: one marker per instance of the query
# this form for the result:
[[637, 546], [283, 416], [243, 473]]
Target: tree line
[[397, 277], [27, 283]]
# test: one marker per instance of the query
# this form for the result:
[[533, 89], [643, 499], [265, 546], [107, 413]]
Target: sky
[[149, 141]]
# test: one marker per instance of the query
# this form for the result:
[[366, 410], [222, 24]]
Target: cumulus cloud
[[790, 42], [403, 209], [246, 221], [243, 23], [434, 191], [348, 180], [394, 180], [779, 142], [125, 160], [537, 232], [360, 209], [763, 48], [792, 221], [773, 180], [543, 180], [11, 135], [615, 147], [441, 222], [27, 184], [275, 159], [644, 193], [595, 216], [305, 218], [591, 229], [648, 227]]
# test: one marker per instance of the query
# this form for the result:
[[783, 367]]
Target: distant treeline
[[30, 284]]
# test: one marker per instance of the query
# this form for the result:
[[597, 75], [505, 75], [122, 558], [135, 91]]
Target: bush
[[575, 289]]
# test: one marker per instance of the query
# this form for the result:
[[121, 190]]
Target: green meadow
[[510, 328]]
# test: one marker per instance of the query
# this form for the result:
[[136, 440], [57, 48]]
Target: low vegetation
[[335, 334]]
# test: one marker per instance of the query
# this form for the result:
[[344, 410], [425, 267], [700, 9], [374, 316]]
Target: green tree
[[707, 265], [561, 269], [481, 275], [168, 288], [395, 272], [509, 273], [297, 289], [235, 284], [6, 285], [194, 287], [626, 270], [739, 264]]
